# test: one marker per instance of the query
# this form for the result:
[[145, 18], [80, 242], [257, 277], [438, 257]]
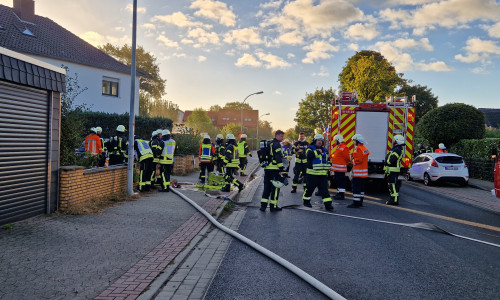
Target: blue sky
[[213, 52]]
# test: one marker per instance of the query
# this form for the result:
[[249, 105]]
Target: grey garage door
[[24, 123]]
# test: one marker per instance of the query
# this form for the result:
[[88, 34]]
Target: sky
[[214, 52]]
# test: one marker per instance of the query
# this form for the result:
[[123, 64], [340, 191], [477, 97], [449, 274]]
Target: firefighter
[[318, 165], [166, 160], [219, 153], [392, 168], [206, 154], [441, 149], [243, 151], [286, 149], [300, 168], [231, 161], [340, 159], [272, 170], [102, 160], [92, 143], [145, 158], [359, 170], [156, 145], [117, 146]]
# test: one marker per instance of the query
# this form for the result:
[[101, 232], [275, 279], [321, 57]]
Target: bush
[[482, 148], [187, 143]]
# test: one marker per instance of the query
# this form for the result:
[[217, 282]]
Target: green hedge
[[481, 148], [144, 126]]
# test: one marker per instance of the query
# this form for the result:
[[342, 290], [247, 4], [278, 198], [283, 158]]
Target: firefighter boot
[[294, 189], [329, 206], [263, 206], [354, 204], [307, 203], [339, 196], [274, 208]]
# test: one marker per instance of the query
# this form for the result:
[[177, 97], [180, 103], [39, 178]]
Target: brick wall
[[76, 185]]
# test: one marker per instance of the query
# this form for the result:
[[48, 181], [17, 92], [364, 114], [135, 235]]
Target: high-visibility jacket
[[287, 151], [393, 160], [299, 149], [360, 161], [156, 145], [340, 158], [143, 150], [92, 144], [117, 145], [232, 159], [206, 152], [220, 151], [317, 161], [243, 149], [276, 162], [167, 153], [439, 150], [103, 144]]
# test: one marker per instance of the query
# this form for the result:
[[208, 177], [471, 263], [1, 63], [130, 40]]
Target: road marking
[[484, 226]]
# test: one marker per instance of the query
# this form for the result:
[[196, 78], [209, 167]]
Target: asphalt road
[[362, 259]]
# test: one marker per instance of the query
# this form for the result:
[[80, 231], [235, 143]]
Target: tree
[[451, 123], [371, 75], [164, 108], [237, 105], [201, 122], [215, 107], [231, 128], [291, 134], [152, 86], [314, 111], [426, 101]]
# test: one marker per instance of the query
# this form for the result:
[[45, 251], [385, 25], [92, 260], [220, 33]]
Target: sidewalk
[[113, 255]]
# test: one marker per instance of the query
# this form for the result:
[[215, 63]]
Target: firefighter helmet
[[399, 139], [220, 136], [121, 128], [98, 129], [165, 132], [93, 130], [279, 181], [243, 136], [319, 136], [339, 138], [230, 136], [358, 137], [154, 133], [286, 141], [441, 146], [206, 136]]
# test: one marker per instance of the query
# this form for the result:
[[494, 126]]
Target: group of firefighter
[[313, 164]]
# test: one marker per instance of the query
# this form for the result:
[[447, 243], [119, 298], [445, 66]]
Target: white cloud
[[243, 37], [446, 13], [272, 61], [277, 93], [318, 50], [140, 10], [323, 72], [271, 4], [97, 39], [178, 19], [312, 20], [290, 55], [214, 10], [120, 29], [148, 26], [203, 37], [353, 46], [407, 2], [167, 42], [201, 58], [187, 41], [248, 60], [291, 38], [360, 31], [494, 31], [477, 50]]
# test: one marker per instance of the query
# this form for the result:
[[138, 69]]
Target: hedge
[[477, 155]]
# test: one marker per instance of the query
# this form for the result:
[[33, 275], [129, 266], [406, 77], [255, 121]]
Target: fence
[[480, 168]]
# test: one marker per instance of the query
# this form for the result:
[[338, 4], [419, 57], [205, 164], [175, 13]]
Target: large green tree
[[237, 105], [426, 101], [451, 123], [371, 75], [314, 113], [164, 108], [152, 86], [201, 122]]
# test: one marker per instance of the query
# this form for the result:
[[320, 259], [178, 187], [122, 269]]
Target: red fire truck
[[378, 123], [496, 174]]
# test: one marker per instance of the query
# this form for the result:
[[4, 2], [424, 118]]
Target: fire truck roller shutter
[[374, 128]]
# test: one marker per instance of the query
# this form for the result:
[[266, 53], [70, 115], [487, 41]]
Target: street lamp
[[243, 102], [258, 124]]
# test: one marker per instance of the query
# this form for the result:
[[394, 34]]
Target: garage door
[[24, 123]]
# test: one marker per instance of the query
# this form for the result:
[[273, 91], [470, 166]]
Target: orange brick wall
[[76, 185]]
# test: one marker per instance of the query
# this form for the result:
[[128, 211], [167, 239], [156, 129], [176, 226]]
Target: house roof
[[492, 116], [44, 37]]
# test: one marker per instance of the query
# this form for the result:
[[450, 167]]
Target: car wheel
[[427, 180], [464, 183], [408, 177]]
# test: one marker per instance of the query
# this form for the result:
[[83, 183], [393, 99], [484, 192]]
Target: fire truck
[[378, 123]]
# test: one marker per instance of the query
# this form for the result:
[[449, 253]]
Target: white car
[[432, 167]]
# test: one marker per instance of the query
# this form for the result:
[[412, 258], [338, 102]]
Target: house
[[105, 80], [226, 116], [492, 117]]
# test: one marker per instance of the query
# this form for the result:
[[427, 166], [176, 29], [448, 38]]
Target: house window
[[110, 87], [213, 120], [235, 119], [225, 119], [248, 120]]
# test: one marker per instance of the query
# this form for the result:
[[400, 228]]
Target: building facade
[[226, 116]]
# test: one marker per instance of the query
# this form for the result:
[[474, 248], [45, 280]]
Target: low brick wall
[[185, 164], [77, 186]]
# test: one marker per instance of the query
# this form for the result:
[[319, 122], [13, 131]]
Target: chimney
[[25, 10]]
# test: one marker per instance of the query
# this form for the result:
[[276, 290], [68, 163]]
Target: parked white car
[[432, 167]]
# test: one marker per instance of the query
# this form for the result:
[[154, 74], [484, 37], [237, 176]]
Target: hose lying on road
[[421, 225], [294, 269]]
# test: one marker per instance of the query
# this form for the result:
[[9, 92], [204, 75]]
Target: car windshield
[[450, 160]]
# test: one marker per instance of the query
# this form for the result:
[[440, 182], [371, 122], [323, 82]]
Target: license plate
[[450, 168]]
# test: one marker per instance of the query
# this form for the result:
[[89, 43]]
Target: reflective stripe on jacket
[[299, 149], [317, 163], [393, 159], [167, 154], [93, 144], [276, 156], [360, 161], [206, 152], [243, 149], [143, 149], [340, 158], [232, 159]]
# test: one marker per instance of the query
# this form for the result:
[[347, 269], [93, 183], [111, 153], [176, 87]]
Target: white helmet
[[93, 130], [339, 138], [220, 136], [120, 128], [279, 182], [441, 146], [286, 141], [358, 137], [98, 129], [319, 136], [399, 139], [154, 133], [229, 136], [206, 136], [243, 136], [165, 132]]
